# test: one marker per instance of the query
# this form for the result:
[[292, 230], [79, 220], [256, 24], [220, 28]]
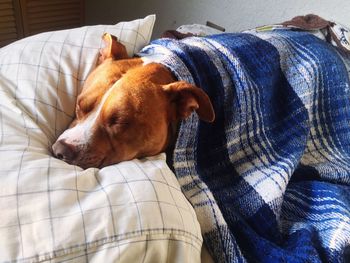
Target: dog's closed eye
[[115, 119], [112, 120], [83, 108]]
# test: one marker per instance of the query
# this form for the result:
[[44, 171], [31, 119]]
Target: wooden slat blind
[[20, 18], [10, 23], [41, 15]]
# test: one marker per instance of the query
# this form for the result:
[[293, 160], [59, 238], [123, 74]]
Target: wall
[[234, 15]]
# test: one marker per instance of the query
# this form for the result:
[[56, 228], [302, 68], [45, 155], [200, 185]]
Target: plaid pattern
[[270, 178], [52, 211]]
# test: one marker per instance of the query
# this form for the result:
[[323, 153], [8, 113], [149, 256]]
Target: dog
[[127, 109]]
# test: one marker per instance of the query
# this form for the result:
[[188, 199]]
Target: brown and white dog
[[126, 110]]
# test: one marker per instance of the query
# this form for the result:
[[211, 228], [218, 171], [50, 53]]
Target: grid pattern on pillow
[[58, 212], [48, 69]]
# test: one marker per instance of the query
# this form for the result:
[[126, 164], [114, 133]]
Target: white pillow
[[52, 211], [48, 69]]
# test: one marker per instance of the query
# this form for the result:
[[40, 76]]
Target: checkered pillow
[[48, 69], [53, 211]]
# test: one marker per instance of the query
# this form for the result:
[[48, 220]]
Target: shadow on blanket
[[269, 180]]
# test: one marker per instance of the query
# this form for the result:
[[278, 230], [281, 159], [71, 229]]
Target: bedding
[[270, 178], [55, 212]]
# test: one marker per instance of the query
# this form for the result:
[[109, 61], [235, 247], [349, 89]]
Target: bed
[[139, 211]]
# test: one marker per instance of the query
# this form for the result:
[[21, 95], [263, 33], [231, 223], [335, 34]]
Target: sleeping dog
[[270, 172], [257, 85], [127, 109]]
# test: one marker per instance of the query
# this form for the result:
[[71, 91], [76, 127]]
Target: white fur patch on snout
[[82, 133], [79, 134]]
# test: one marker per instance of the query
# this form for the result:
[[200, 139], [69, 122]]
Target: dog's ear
[[189, 98], [112, 49]]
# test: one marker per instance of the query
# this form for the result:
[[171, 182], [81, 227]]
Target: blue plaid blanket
[[270, 178]]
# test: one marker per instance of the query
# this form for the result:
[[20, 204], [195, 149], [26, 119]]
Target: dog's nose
[[64, 151]]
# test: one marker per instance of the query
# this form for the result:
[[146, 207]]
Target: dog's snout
[[64, 151]]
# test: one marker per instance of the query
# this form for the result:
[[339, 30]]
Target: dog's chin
[[89, 163], [93, 164], [107, 162], [117, 158]]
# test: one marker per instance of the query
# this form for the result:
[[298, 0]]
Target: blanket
[[270, 178]]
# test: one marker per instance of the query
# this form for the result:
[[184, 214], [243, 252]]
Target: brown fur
[[135, 120]]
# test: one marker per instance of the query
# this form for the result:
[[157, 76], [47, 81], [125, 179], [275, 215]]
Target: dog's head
[[125, 110]]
